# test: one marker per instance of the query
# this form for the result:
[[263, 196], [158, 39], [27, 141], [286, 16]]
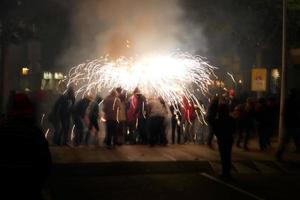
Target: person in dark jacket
[[111, 108], [246, 124], [263, 125], [25, 159], [224, 129], [292, 125], [60, 117], [93, 115], [210, 117], [78, 115]]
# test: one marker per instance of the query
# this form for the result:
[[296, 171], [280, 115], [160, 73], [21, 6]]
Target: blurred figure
[[157, 110], [200, 126], [263, 123], [232, 100], [210, 117], [25, 158], [141, 117], [292, 125], [136, 118], [79, 118], [111, 109], [189, 120], [273, 117], [224, 128], [122, 119], [176, 123], [60, 117], [93, 116], [246, 126]]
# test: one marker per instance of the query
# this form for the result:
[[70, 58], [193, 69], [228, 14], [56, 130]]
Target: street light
[[25, 71]]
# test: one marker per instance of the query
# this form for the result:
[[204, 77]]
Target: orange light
[[25, 71]]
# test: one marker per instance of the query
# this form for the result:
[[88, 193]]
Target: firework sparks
[[42, 119], [72, 133], [47, 132], [170, 77]]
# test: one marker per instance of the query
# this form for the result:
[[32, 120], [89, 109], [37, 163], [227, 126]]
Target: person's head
[[113, 93], [20, 106], [70, 92], [136, 91], [119, 90], [98, 99]]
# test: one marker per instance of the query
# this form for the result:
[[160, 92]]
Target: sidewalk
[[142, 159], [171, 172], [144, 153]]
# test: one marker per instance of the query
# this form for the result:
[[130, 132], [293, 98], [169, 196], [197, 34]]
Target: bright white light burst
[[169, 76]]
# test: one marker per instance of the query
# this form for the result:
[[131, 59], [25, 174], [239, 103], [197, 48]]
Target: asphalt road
[[161, 180]]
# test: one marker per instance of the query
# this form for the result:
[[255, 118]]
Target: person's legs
[[154, 128], [65, 130], [114, 132], [163, 135], [109, 130], [179, 133], [210, 135], [93, 124], [173, 125], [56, 133], [225, 155], [247, 138], [78, 130], [282, 146]]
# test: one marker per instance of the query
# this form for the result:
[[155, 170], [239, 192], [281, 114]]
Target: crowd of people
[[132, 118], [135, 119]]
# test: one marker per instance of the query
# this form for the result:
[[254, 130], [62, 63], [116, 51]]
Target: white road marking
[[231, 186]]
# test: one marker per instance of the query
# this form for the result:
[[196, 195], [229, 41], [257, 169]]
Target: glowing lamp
[[25, 71]]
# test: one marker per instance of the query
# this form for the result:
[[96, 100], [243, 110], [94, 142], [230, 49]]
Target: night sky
[[229, 27]]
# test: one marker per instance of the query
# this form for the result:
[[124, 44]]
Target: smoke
[[130, 27]]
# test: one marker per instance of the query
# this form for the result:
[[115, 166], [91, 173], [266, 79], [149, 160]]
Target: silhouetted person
[[272, 116], [263, 123], [224, 128], [111, 106], [141, 116], [60, 117], [136, 120], [122, 120], [25, 159], [176, 123], [246, 126], [93, 115], [156, 123], [189, 117], [78, 115], [210, 117], [292, 123]]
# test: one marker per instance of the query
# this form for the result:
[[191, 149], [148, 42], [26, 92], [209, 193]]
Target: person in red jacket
[[136, 118], [189, 120]]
